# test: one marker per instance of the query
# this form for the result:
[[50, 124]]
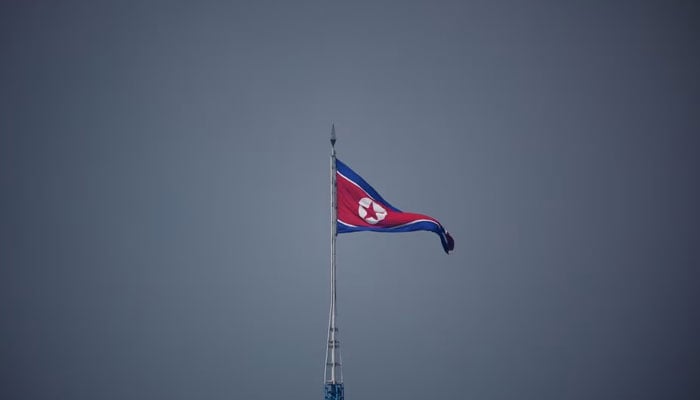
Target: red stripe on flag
[[349, 196]]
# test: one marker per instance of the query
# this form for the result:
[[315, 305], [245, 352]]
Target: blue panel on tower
[[334, 391]]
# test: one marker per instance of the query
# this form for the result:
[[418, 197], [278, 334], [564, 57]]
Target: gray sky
[[164, 199]]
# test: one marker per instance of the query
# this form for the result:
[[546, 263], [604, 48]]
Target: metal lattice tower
[[333, 372]]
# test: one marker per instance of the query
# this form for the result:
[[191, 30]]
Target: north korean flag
[[361, 208]]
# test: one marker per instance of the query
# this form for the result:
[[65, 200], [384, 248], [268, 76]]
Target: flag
[[361, 208]]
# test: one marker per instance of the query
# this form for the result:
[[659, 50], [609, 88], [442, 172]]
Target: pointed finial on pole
[[333, 135]]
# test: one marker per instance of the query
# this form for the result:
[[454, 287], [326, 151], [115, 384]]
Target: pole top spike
[[333, 135]]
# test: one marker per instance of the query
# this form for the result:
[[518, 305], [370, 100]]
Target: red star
[[370, 212]]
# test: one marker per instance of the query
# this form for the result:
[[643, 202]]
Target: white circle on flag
[[362, 211]]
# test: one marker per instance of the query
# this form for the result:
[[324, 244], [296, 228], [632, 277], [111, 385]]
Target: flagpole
[[333, 385], [334, 226]]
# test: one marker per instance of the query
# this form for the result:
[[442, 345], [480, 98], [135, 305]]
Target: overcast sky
[[164, 193]]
